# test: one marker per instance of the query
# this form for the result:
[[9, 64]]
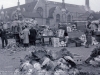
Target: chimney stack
[[87, 4]]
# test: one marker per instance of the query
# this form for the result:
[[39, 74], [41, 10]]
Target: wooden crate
[[78, 59]]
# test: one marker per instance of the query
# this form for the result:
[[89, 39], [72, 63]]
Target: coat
[[88, 34], [26, 34], [3, 33], [33, 34]]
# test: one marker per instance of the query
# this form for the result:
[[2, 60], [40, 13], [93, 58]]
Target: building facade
[[50, 12]]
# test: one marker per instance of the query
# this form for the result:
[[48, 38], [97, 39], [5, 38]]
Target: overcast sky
[[94, 4]]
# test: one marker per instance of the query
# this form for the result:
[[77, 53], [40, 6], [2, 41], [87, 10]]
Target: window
[[40, 11], [57, 18], [47, 21], [69, 18], [64, 18]]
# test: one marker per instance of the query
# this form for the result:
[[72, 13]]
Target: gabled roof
[[28, 8], [70, 7]]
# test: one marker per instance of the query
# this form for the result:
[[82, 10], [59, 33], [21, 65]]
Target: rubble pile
[[94, 58], [85, 73], [48, 62], [13, 47]]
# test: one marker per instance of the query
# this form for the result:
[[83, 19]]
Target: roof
[[70, 7], [31, 15], [28, 8], [86, 14], [94, 16]]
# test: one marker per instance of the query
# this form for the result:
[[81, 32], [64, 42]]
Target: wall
[[42, 3], [28, 1], [39, 21]]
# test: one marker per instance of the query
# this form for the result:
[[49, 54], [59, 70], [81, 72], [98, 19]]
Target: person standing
[[26, 34], [21, 35], [88, 34], [4, 37], [66, 37], [32, 36]]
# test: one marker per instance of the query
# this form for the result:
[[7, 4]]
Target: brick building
[[49, 12]]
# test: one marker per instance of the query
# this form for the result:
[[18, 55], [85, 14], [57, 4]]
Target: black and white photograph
[[50, 37]]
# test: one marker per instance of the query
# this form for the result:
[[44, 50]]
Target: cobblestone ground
[[10, 61]]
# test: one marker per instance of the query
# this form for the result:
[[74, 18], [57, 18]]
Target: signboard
[[60, 33]]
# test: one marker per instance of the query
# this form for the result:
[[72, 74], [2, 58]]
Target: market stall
[[47, 35]]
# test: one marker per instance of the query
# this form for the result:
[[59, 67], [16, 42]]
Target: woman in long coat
[[26, 34]]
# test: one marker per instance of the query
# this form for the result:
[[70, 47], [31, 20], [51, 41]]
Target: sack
[[21, 36]]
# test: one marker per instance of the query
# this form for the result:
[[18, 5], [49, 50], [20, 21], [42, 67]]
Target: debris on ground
[[43, 62], [94, 58]]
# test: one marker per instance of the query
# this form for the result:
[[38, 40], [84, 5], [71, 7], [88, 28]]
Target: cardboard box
[[55, 42]]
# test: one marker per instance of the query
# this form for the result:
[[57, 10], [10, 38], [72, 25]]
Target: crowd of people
[[26, 37], [3, 34]]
